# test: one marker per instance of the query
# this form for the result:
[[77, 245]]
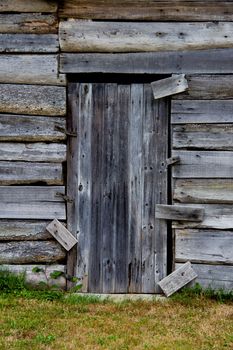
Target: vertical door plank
[[95, 256], [109, 191], [135, 187]]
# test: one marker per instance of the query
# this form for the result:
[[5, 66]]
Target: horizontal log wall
[[32, 140], [202, 126]]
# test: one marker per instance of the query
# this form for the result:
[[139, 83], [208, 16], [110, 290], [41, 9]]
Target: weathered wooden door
[[118, 174]]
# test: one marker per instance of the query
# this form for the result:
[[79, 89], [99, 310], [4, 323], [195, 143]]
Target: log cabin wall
[[163, 37]]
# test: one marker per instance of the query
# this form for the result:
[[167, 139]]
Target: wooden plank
[[203, 191], [202, 111], [29, 43], [205, 137], [31, 252], [213, 276], [30, 69], [61, 234], [216, 216], [183, 213], [204, 246], [88, 36], [169, 86], [19, 230], [36, 278], [177, 279], [31, 128], [33, 152], [32, 99], [203, 164], [28, 23], [28, 173], [208, 87], [189, 62], [28, 6], [27, 194], [149, 11]]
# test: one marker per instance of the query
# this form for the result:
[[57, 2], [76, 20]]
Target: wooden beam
[[33, 99], [148, 11], [29, 43], [61, 234], [31, 252], [28, 23], [23, 230], [183, 213], [28, 6], [169, 86], [88, 36], [177, 279], [193, 61]]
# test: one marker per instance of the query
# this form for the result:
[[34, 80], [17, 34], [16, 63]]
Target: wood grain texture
[[13, 173], [178, 279], [169, 86], [28, 6], [35, 278], [88, 36], [61, 234], [28, 23], [30, 69], [21, 230], [178, 212], [31, 252], [29, 43], [213, 276], [203, 164], [206, 246], [148, 11], [33, 152], [203, 191], [208, 87], [216, 217], [205, 137], [31, 128], [25, 194], [188, 62], [32, 99], [202, 111]]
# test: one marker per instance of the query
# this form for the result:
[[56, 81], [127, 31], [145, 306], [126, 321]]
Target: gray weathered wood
[[177, 279], [169, 86], [213, 276], [31, 128], [205, 137], [19, 230], [32, 99], [29, 173], [88, 36], [28, 23], [28, 6], [183, 213], [36, 278], [33, 210], [149, 10], [22, 194], [202, 112], [207, 246], [61, 234], [193, 61], [203, 191], [172, 160], [208, 87], [30, 69], [203, 164], [29, 43], [216, 216], [33, 152], [31, 252]]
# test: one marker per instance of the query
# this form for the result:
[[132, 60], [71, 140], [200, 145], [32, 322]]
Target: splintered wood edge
[[177, 279], [64, 237]]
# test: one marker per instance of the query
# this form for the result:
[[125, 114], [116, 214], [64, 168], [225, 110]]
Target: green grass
[[53, 320]]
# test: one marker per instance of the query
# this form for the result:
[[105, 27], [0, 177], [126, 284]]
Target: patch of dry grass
[[64, 325]]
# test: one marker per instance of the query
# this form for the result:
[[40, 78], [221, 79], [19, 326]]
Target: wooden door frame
[[72, 182]]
